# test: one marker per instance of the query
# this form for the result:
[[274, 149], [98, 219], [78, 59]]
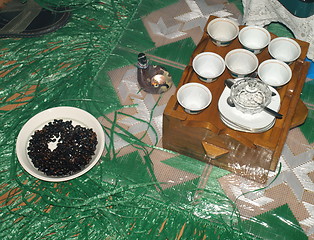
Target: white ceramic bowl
[[254, 38], [78, 117], [222, 31], [194, 97], [284, 49], [241, 62], [208, 66], [274, 72]]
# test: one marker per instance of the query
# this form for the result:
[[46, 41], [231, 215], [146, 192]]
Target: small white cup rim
[[289, 71], [226, 20], [254, 27], [212, 54], [284, 39], [244, 51], [187, 85]]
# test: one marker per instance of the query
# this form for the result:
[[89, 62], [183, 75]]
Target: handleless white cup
[[222, 31], [284, 49], [254, 38], [274, 72], [208, 66], [241, 62], [194, 97]]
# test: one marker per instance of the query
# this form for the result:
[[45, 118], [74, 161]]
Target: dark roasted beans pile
[[75, 147]]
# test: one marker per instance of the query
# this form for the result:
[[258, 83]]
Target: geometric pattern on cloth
[[297, 142], [295, 182], [186, 19], [134, 120]]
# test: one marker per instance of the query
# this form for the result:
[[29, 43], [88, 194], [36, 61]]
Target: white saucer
[[78, 116], [252, 121], [244, 128]]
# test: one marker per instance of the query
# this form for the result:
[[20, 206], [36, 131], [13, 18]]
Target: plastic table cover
[[138, 190]]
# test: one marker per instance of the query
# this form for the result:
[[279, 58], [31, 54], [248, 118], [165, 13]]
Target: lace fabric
[[264, 12]]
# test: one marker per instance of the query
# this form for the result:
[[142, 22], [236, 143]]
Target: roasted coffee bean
[[75, 146]]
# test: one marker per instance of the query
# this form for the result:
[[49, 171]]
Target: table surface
[[138, 190]]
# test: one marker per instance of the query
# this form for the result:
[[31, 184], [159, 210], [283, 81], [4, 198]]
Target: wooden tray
[[205, 137]]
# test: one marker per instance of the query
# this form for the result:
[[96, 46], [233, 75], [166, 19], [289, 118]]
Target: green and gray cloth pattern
[[138, 190]]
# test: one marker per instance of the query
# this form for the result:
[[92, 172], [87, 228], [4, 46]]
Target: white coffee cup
[[284, 49], [208, 66], [254, 38], [241, 62], [194, 97], [222, 31], [274, 72]]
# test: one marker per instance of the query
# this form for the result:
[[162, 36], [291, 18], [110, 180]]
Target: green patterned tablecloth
[[138, 190]]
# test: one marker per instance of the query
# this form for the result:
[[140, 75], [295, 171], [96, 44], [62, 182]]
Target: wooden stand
[[205, 137]]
